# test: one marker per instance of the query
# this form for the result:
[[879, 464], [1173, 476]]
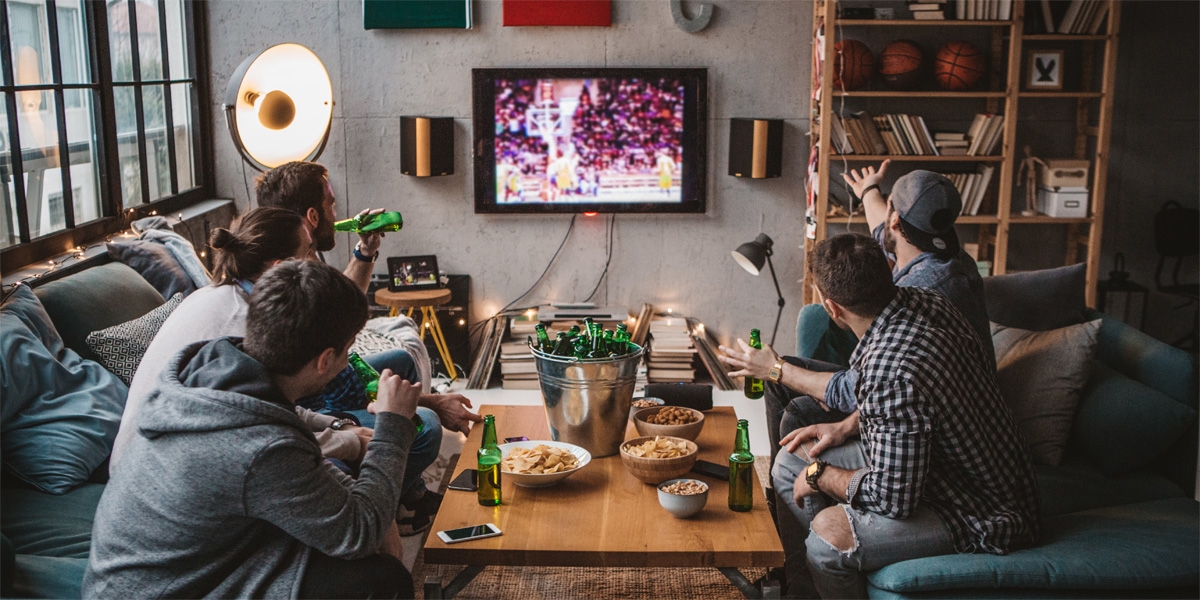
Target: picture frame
[[1044, 72]]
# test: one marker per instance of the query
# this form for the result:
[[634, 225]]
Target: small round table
[[425, 300]]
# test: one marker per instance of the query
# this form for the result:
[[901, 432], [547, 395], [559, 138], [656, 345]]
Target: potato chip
[[658, 447], [540, 460]]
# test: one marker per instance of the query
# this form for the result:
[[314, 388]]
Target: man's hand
[[868, 177], [364, 435], [751, 361], [396, 395], [391, 542], [452, 410], [369, 242], [822, 436]]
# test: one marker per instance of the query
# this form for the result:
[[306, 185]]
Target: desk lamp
[[751, 256]]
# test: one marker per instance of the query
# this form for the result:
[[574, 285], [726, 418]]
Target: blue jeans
[[813, 565]]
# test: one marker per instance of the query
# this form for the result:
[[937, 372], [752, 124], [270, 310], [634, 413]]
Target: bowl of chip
[[683, 498], [674, 421], [640, 403], [655, 459], [541, 463]]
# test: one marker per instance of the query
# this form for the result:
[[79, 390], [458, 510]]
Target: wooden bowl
[[689, 432], [657, 470]]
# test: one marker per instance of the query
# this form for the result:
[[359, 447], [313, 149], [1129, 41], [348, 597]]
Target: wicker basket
[[689, 431], [657, 470]]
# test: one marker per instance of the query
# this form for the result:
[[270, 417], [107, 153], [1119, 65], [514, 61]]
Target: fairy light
[[462, 321]]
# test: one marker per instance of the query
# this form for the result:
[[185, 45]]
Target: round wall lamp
[[279, 105]]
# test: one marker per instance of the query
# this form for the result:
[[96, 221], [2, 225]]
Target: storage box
[[1064, 173], [1062, 203]]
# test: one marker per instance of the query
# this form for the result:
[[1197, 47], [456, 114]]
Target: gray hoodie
[[224, 492]]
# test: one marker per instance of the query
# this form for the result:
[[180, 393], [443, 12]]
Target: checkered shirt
[[344, 392], [936, 431]]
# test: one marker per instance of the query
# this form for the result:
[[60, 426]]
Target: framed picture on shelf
[[1045, 70]]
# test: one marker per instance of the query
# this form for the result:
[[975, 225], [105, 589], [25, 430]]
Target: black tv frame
[[695, 139]]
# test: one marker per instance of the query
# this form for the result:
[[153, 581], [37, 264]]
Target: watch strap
[[776, 372], [363, 257], [812, 477]]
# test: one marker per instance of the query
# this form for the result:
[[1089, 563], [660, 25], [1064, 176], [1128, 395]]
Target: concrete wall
[[758, 56]]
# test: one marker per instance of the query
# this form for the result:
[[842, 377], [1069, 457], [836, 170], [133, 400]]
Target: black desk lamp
[[751, 256]]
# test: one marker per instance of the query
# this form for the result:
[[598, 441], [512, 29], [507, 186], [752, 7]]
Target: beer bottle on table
[[543, 338], [370, 380], [377, 223], [741, 470], [488, 478], [754, 386]]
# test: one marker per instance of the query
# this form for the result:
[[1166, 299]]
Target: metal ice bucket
[[587, 400]]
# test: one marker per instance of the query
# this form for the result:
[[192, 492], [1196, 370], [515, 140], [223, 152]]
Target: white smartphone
[[474, 532]]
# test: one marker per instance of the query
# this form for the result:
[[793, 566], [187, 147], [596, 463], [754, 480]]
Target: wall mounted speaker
[[756, 148], [427, 146]]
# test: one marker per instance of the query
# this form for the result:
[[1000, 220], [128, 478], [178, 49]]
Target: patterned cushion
[[372, 342], [121, 347]]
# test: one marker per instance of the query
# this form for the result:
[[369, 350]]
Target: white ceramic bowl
[[539, 479], [682, 506]]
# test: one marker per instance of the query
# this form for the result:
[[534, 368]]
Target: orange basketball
[[958, 66], [852, 65], [900, 64]]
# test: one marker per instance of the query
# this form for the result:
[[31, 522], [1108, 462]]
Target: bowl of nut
[[655, 459], [675, 421], [541, 463], [683, 497], [640, 403]]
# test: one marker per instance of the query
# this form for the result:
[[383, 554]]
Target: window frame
[[115, 217]]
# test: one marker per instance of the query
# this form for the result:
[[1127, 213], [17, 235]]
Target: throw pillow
[[1041, 375], [155, 263], [1037, 300], [370, 342], [1123, 424], [59, 413], [121, 347]]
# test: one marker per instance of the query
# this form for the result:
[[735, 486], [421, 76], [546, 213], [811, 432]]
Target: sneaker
[[417, 515]]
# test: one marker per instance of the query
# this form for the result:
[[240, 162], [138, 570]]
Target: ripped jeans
[[813, 565]]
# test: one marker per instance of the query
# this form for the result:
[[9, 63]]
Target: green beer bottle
[[754, 387], [562, 345], [741, 470], [377, 223], [370, 380], [610, 345], [488, 479], [543, 338], [573, 332], [622, 333]]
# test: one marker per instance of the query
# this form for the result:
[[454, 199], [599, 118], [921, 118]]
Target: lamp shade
[[279, 105], [753, 255]]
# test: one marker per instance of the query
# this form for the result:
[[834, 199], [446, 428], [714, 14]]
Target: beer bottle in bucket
[[741, 470], [543, 339], [488, 478], [562, 346], [754, 386]]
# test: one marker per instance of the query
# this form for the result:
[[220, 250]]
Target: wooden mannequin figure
[[1029, 167]]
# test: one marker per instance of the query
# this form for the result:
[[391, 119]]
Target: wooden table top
[[602, 516], [412, 298]]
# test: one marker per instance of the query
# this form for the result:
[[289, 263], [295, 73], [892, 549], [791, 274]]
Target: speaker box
[[756, 148], [427, 146], [455, 318]]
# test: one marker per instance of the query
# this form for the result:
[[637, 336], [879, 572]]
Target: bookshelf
[[1087, 95]]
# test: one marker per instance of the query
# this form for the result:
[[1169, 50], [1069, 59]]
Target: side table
[[425, 300]]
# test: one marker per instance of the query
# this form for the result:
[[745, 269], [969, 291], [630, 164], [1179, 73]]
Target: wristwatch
[[363, 257], [813, 473], [340, 424], [776, 372]]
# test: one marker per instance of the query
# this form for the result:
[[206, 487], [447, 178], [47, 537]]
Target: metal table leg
[[434, 589], [770, 588]]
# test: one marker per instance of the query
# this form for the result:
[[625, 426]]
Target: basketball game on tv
[[610, 142]]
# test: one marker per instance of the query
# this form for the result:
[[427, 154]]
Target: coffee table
[[603, 517]]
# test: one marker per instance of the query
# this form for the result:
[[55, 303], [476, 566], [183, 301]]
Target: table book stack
[[671, 355]]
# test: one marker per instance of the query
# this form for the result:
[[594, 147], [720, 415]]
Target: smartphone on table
[[711, 469], [464, 534], [466, 481]]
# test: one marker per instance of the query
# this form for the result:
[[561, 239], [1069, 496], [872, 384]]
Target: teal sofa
[[47, 537], [1109, 528]]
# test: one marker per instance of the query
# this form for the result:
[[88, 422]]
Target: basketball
[[900, 64], [852, 65], [958, 66]]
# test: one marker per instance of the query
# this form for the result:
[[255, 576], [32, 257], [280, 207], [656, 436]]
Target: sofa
[[1117, 497]]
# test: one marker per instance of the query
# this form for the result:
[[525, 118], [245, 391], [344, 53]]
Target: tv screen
[[590, 140]]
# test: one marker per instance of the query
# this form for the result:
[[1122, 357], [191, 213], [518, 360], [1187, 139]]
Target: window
[[102, 99]]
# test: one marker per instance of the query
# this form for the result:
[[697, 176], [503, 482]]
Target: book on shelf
[[670, 375], [517, 366], [837, 131], [950, 136], [928, 15], [985, 134], [864, 118], [922, 6]]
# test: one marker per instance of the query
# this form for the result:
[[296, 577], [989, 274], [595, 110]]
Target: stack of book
[[707, 350], [1066, 16], [973, 187], [983, 10], [928, 10], [899, 134], [518, 370], [951, 143], [985, 134], [670, 359]]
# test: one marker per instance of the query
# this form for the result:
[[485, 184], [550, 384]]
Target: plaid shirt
[[936, 431], [344, 392]]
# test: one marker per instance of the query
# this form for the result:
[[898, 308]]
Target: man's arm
[[758, 364], [897, 445], [874, 203], [359, 271], [452, 410]]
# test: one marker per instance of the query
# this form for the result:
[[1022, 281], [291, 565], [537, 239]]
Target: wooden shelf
[[1064, 37], [1044, 220], [1061, 94], [916, 23], [929, 94], [961, 220], [913, 157]]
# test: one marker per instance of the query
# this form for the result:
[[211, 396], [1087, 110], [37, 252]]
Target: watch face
[[812, 468]]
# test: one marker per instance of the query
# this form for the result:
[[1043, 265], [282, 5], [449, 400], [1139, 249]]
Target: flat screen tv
[[570, 140]]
